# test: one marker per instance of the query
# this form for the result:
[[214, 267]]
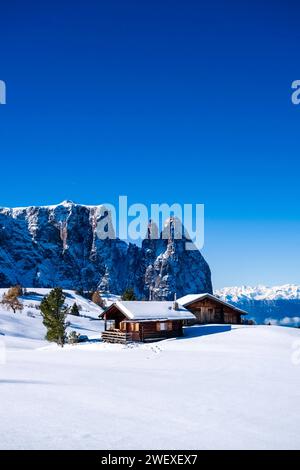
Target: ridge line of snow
[[260, 292]]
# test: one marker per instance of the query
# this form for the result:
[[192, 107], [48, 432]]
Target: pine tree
[[79, 292], [74, 310], [128, 294], [54, 316], [97, 299], [10, 299]]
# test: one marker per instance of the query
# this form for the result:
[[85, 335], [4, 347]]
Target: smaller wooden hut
[[208, 308], [143, 321]]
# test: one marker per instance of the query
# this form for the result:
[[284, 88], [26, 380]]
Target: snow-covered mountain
[[276, 305], [58, 245], [238, 294]]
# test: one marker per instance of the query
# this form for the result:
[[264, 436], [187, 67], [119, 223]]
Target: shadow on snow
[[204, 330]]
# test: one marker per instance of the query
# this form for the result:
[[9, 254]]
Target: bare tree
[[97, 299], [10, 299]]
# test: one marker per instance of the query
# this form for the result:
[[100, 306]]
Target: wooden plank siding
[[210, 311], [119, 329], [145, 331], [116, 336]]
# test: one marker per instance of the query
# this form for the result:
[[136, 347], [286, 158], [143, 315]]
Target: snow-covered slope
[[28, 328], [58, 245], [277, 304], [33, 296], [215, 388]]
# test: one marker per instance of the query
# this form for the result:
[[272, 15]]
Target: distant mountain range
[[276, 305]]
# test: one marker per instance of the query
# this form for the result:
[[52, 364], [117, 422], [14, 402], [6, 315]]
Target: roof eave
[[130, 316], [119, 307]]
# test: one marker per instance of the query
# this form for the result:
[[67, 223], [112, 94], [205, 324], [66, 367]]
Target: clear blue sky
[[162, 101]]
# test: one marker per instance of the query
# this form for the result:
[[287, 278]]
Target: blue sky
[[162, 101]]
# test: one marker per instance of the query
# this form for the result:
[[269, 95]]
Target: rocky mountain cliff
[[58, 245]]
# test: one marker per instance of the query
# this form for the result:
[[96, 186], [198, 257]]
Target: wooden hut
[[143, 321], [208, 308]]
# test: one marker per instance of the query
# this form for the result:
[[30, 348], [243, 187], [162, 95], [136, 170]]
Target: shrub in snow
[[73, 337], [31, 306], [30, 314]]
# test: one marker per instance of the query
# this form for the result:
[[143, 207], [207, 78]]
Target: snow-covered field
[[216, 388]]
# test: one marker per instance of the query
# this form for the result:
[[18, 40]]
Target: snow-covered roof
[[191, 298], [151, 310], [187, 299]]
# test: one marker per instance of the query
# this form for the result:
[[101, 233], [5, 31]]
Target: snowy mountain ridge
[[66, 203], [260, 292], [276, 305]]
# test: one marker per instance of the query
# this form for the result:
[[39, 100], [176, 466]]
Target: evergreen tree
[[128, 294], [54, 316], [74, 310], [79, 292]]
